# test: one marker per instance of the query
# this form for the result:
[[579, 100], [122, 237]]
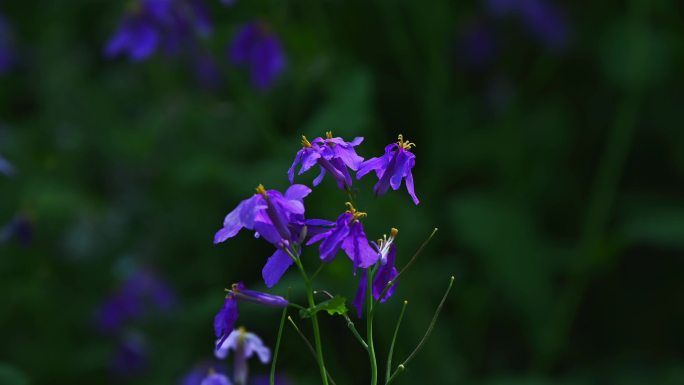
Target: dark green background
[[556, 180]]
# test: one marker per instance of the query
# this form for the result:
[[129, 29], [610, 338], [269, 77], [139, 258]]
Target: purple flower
[[199, 372], [216, 379], [348, 235], [131, 355], [385, 273], [7, 59], [140, 292], [277, 217], [224, 321], [333, 156], [259, 49], [154, 24], [392, 167], [245, 345], [545, 21], [5, 166], [477, 44], [19, 228]]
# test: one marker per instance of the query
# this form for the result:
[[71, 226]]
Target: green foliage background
[[556, 180]]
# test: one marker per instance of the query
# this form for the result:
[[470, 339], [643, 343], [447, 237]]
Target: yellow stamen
[[394, 232], [260, 190], [356, 214], [234, 287], [328, 135], [243, 334], [405, 145], [305, 142]]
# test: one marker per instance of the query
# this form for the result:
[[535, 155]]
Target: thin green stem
[[401, 367], [394, 339], [314, 318], [369, 326], [277, 346], [308, 345], [410, 262]]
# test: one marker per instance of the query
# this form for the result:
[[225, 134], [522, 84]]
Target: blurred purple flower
[[543, 19], [200, 372], [19, 228], [216, 379], [259, 49], [7, 58], [131, 355], [154, 24], [5, 166], [392, 167], [245, 345], [348, 235], [477, 44], [140, 292], [207, 71], [224, 321], [333, 155]]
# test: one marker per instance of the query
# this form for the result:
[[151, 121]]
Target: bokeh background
[[550, 154]]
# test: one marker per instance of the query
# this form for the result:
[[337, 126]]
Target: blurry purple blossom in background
[[5, 166], [139, 293], [20, 228], [216, 379], [200, 372], [131, 355], [477, 44], [260, 50], [7, 58], [150, 25], [546, 22]]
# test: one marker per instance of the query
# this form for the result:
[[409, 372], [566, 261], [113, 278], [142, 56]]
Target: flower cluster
[[279, 218]]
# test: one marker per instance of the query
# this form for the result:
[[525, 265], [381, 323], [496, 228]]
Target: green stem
[[308, 345], [350, 323], [314, 318], [401, 367], [277, 346], [394, 339], [369, 326]]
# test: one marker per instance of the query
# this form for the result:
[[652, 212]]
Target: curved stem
[[401, 367], [277, 346], [394, 339], [369, 326], [308, 345]]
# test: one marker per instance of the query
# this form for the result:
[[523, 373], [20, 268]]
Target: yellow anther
[[260, 190], [328, 135], [356, 214], [393, 232], [234, 287], [405, 145], [305, 142], [243, 334]]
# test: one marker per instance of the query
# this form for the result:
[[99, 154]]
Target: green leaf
[[335, 305]]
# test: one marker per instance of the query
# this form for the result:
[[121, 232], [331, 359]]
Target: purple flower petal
[[357, 248], [361, 294], [275, 267], [297, 192]]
